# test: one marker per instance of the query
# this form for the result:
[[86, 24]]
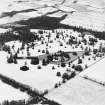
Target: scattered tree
[[58, 74]]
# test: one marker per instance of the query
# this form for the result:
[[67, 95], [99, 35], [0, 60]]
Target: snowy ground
[[36, 78], [89, 14], [9, 93], [85, 20], [78, 91], [96, 72], [2, 30], [39, 79], [75, 91]]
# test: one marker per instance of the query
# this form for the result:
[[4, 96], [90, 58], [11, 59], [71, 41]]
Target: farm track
[[41, 57]]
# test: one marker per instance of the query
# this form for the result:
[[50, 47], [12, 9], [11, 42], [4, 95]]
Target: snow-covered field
[[9, 93], [96, 72], [39, 79], [89, 14], [86, 21], [78, 91]]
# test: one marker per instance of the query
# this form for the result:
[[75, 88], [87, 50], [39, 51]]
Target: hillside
[[88, 14]]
